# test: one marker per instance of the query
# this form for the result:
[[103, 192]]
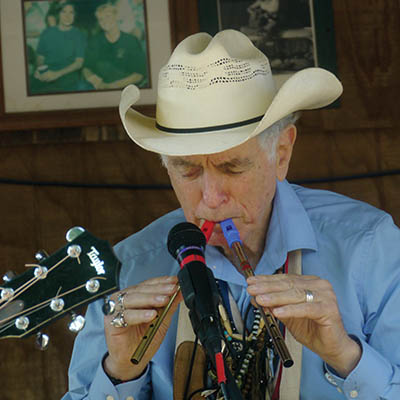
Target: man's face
[[238, 183], [107, 18]]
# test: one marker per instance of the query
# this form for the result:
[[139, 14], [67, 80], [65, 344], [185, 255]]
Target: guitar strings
[[43, 304], [7, 325], [16, 292], [29, 283]]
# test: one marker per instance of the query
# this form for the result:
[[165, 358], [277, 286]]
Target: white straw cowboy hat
[[216, 93]]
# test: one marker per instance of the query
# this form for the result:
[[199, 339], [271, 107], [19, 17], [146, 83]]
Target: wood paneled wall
[[362, 136]]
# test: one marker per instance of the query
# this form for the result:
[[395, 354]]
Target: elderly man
[[226, 137]]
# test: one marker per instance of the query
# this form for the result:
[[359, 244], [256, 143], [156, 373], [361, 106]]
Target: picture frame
[[78, 108], [281, 29]]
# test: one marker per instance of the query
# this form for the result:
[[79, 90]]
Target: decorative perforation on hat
[[222, 71]]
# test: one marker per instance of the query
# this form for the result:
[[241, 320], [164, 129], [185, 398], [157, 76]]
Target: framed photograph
[[72, 56], [294, 34], [90, 45]]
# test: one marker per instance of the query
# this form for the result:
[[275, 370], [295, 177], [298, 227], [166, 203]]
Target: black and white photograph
[[85, 45], [281, 29]]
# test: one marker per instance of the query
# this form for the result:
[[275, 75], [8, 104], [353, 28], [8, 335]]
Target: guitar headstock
[[77, 274]]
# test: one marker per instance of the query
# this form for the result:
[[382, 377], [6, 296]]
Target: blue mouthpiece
[[230, 232]]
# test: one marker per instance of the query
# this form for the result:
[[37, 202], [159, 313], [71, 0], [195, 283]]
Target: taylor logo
[[95, 261]]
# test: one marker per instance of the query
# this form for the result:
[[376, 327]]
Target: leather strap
[[185, 339], [185, 331]]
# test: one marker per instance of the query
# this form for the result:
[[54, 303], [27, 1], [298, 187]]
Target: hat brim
[[307, 89]]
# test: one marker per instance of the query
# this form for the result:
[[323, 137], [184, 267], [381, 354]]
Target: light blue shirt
[[350, 243]]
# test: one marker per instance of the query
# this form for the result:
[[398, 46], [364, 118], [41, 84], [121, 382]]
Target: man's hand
[[141, 303], [317, 324]]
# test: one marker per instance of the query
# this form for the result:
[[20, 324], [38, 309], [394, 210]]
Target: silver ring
[[309, 296], [109, 307], [119, 321], [120, 301]]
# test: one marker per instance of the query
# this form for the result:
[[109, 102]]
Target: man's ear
[[284, 150]]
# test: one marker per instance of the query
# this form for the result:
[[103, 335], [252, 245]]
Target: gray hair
[[267, 139], [163, 159]]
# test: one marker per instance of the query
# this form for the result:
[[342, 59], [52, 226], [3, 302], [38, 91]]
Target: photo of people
[[281, 29], [85, 45]]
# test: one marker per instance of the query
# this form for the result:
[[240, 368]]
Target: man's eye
[[191, 173], [234, 171]]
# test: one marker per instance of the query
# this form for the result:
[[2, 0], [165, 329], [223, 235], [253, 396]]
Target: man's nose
[[214, 190]]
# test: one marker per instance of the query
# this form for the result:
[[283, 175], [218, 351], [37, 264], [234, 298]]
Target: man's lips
[[213, 233], [215, 221]]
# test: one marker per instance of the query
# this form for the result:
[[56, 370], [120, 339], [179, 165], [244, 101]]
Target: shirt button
[[109, 397], [353, 394]]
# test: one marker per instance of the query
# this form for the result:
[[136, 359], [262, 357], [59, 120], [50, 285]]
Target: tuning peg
[[92, 285], [22, 323], [40, 272], [77, 323], [6, 293], [9, 276], [57, 304], [74, 250], [73, 233], [41, 255], [42, 341]]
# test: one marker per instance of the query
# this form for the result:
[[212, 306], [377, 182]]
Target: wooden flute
[[232, 236], [151, 331]]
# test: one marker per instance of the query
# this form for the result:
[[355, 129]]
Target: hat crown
[[221, 80], [228, 43]]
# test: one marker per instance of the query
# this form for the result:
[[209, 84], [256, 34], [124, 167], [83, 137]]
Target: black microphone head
[[185, 234]]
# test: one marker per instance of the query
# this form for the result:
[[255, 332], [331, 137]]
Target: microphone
[[186, 243]]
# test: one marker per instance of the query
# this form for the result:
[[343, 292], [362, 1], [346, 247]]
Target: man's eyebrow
[[181, 162], [233, 163], [236, 162]]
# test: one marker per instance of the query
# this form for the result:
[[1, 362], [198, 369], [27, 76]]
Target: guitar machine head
[[77, 274]]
